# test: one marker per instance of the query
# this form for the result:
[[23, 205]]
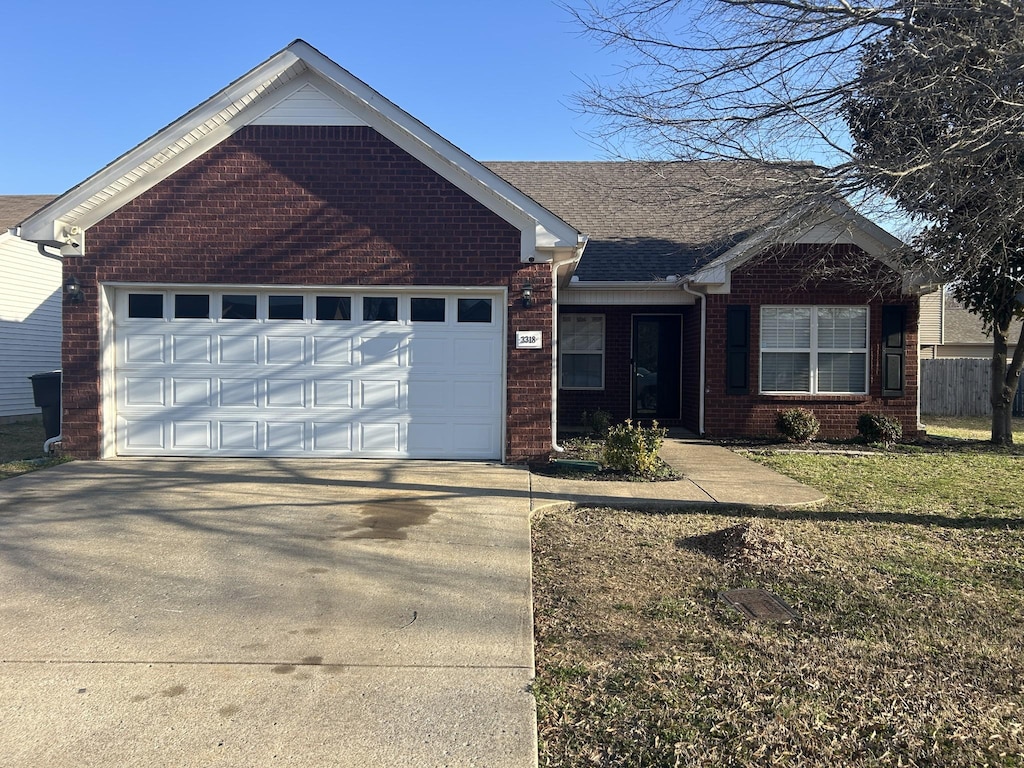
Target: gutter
[[703, 349]]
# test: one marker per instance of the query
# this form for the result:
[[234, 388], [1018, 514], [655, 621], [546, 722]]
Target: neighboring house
[[298, 267], [948, 329], [30, 305]]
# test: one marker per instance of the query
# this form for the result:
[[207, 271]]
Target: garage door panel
[[191, 435], [142, 391], [286, 393], [239, 393], [478, 354], [142, 434], [238, 350], [333, 351], [377, 395], [191, 392], [285, 437], [200, 386], [476, 395], [239, 436], [384, 350], [431, 353], [286, 350], [332, 437], [191, 349], [332, 393], [380, 437], [143, 348]]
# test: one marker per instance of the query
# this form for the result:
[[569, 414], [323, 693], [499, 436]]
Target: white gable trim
[[256, 95]]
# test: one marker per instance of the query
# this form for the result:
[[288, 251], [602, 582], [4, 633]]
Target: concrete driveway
[[266, 612]]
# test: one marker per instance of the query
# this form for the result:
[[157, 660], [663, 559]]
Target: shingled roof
[[649, 220], [16, 208], [961, 326]]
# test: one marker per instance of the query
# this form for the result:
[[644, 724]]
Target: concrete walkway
[[711, 475]]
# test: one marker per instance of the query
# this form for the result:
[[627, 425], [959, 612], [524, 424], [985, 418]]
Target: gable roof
[[14, 208], [648, 220], [288, 83]]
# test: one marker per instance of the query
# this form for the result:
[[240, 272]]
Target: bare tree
[[914, 102]]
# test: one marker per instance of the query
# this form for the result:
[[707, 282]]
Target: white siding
[[30, 322], [308, 106], [930, 323]]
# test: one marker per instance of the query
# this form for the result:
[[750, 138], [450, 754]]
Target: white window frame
[[814, 350], [563, 351]]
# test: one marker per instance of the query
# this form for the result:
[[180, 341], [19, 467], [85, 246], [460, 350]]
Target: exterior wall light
[[527, 295], [73, 289]]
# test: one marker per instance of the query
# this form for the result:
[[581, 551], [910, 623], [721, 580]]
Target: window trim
[[813, 350], [563, 352]]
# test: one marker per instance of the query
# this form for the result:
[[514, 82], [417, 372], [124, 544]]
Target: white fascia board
[[47, 224], [624, 285]]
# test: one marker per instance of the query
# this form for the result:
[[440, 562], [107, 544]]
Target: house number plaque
[[529, 339]]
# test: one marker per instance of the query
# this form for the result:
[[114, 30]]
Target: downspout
[[703, 345], [554, 344], [50, 442]]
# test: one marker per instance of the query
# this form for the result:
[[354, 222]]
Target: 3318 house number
[[529, 340]]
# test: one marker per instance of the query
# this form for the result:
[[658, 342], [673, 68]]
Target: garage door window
[[238, 307], [333, 308], [284, 308], [426, 310], [149, 305], [189, 306], [380, 308], [474, 310]]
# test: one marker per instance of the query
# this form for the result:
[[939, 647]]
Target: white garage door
[[382, 373]]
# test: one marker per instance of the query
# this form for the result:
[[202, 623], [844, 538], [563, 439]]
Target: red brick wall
[[781, 278], [305, 205]]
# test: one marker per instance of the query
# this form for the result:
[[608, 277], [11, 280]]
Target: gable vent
[[308, 106]]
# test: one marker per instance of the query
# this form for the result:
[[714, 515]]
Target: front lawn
[[908, 649]]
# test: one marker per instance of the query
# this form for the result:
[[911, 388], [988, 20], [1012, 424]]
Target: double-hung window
[[814, 350], [581, 345]]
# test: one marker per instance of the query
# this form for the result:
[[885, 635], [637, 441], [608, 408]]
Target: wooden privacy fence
[[960, 387]]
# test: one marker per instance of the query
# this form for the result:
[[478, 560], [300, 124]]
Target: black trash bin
[[46, 391]]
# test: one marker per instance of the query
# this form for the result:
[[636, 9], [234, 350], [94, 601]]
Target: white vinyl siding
[[581, 345], [814, 350], [30, 322]]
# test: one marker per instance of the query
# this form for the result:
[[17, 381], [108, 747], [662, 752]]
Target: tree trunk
[[1005, 377]]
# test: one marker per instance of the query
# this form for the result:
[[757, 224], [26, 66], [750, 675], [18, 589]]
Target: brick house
[[298, 267]]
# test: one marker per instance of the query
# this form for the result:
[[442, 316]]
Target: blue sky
[[86, 82]]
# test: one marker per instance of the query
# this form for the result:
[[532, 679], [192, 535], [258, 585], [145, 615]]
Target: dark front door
[[656, 366]]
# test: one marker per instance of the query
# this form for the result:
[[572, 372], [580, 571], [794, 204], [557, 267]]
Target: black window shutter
[[737, 349], [894, 323]]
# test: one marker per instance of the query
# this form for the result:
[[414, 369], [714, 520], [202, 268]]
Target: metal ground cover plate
[[758, 605]]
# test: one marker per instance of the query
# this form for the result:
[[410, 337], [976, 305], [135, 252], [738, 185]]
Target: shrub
[[633, 448], [798, 425], [596, 423], [876, 428]]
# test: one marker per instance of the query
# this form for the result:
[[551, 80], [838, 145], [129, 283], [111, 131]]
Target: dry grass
[[967, 427], [21, 448], [909, 649]]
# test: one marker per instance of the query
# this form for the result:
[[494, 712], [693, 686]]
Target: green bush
[[596, 423], [876, 428], [798, 425], [633, 448]]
